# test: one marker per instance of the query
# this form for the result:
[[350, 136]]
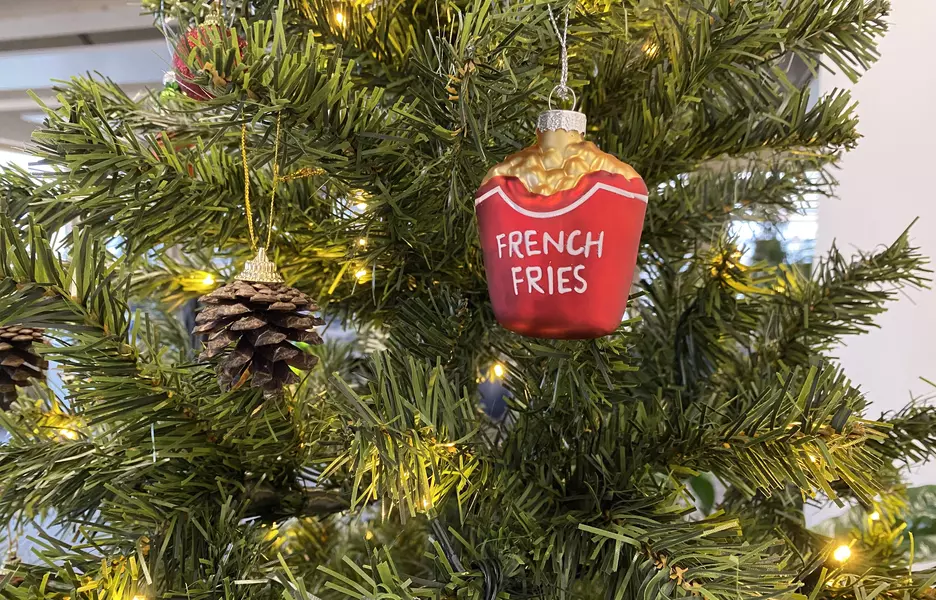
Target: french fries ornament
[[560, 227]]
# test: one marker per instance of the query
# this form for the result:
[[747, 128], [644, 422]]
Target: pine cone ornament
[[261, 318], [18, 362]]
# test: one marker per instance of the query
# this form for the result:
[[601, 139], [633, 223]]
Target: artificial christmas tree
[[376, 474]]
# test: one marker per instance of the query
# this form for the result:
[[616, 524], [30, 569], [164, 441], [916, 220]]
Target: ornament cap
[[261, 269], [214, 17], [569, 120]]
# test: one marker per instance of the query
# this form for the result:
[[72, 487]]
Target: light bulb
[[499, 370], [842, 553], [362, 242], [361, 206], [340, 19], [875, 516], [650, 48], [361, 274], [208, 280], [68, 433]]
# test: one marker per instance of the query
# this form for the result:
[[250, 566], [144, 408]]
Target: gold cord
[[276, 179], [253, 239], [304, 172]]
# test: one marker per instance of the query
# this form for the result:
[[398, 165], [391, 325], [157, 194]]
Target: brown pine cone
[[261, 319], [18, 362]]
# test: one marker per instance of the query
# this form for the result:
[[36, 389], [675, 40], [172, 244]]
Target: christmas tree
[[434, 453]]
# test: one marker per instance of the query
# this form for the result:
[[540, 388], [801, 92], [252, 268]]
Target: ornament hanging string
[[250, 227], [165, 27], [302, 173], [218, 13], [276, 180], [562, 89]]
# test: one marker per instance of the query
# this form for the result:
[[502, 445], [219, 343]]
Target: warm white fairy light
[[875, 516], [499, 370], [208, 279], [842, 553], [340, 18], [361, 273], [362, 242], [650, 48], [362, 206], [69, 434]]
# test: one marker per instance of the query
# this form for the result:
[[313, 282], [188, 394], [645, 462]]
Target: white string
[[165, 28], [562, 89]]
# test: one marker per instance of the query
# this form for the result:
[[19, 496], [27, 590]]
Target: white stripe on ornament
[[555, 213]]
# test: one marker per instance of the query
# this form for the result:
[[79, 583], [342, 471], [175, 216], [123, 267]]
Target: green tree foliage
[[378, 476]]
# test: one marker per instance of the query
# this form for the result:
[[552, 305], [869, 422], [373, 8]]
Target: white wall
[[885, 184]]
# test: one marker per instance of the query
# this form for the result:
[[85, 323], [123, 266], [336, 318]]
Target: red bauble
[[560, 227], [201, 35]]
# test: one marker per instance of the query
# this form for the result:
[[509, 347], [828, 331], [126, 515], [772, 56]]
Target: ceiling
[[46, 40]]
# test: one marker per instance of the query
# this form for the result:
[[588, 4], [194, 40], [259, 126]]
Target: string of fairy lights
[[497, 371]]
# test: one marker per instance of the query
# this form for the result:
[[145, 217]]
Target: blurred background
[[46, 40], [884, 184]]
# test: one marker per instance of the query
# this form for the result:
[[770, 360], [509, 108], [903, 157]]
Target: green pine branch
[[811, 313]]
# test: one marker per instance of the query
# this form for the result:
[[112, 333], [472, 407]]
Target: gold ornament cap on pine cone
[[260, 269], [18, 362], [262, 321]]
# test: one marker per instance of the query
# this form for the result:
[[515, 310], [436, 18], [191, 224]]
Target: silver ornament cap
[[568, 120], [261, 269]]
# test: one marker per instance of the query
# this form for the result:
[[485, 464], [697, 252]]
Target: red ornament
[[199, 36], [560, 227]]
